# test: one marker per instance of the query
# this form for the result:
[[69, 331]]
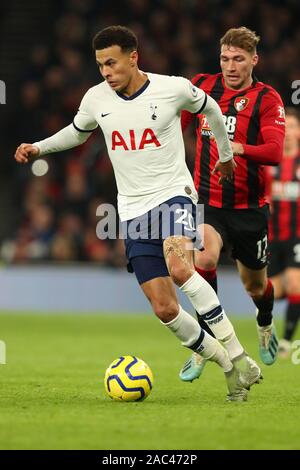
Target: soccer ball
[[128, 378]]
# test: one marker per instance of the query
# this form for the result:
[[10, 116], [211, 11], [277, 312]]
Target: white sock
[[189, 332], [185, 327], [233, 346], [200, 293], [206, 303]]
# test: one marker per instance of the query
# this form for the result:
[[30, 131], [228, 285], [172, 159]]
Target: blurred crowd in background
[[57, 212]]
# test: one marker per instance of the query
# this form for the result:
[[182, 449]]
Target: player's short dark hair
[[241, 37], [290, 111], [116, 36]]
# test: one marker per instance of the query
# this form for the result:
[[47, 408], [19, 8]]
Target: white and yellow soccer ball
[[128, 378]]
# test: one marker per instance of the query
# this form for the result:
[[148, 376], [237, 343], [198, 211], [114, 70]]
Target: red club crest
[[241, 103]]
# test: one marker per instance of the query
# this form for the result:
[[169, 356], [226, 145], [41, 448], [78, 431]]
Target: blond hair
[[241, 37]]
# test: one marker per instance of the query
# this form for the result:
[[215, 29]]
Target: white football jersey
[[144, 139]]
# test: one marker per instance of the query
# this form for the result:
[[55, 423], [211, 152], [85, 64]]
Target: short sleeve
[[191, 98], [84, 120]]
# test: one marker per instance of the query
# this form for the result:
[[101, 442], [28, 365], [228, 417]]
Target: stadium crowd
[[58, 211]]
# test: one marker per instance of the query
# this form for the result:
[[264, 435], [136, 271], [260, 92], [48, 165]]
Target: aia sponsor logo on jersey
[[240, 103], [131, 142]]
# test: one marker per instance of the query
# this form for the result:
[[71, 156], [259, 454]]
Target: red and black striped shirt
[[284, 193], [247, 113]]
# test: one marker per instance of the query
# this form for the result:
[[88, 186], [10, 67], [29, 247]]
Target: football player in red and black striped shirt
[[236, 211], [284, 228]]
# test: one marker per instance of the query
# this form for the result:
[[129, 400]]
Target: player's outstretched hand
[[224, 170], [25, 153]]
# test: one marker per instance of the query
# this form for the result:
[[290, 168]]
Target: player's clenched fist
[[26, 152]]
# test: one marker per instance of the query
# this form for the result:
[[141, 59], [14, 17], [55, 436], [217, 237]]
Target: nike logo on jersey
[[104, 114]]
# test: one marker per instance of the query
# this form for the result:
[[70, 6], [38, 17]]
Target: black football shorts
[[244, 233]]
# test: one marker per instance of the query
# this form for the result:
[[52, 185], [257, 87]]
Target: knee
[[206, 261], [179, 260], [180, 272], [255, 288], [166, 311]]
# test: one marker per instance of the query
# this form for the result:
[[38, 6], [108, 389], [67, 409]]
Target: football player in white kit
[[139, 114]]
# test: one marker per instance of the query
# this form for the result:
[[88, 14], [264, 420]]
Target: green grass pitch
[[52, 394]]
